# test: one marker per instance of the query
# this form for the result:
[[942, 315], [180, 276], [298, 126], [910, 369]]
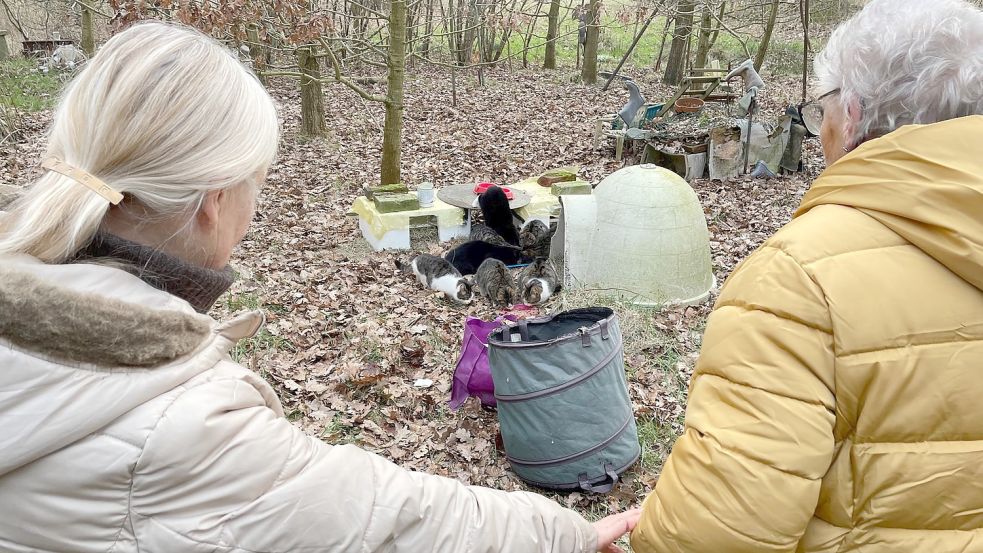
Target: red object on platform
[[482, 186]]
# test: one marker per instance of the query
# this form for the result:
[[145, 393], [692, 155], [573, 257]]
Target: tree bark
[[759, 57], [703, 45], [393, 126], [682, 28], [425, 49], [88, 40], [552, 32], [470, 31], [589, 71], [256, 53], [311, 98]]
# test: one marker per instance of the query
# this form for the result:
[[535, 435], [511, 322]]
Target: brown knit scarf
[[199, 286]]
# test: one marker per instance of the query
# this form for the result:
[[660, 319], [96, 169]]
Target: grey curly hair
[[905, 62]]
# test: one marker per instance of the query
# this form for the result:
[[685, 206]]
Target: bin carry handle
[[601, 487], [524, 330], [510, 328]]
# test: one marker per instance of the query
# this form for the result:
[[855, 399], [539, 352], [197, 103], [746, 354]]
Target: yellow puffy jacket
[[837, 405]]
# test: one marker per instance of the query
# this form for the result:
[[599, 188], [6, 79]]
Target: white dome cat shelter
[[642, 237]]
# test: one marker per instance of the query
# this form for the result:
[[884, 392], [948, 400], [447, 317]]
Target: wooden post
[[454, 87], [4, 51]]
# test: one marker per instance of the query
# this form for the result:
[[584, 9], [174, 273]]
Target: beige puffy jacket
[[125, 426]]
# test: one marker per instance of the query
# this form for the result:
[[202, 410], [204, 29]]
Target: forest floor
[[347, 335]]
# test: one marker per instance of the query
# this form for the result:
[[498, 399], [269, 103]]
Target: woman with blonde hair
[[836, 405], [124, 424]]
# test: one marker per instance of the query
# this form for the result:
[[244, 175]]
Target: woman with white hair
[[837, 405], [124, 424]]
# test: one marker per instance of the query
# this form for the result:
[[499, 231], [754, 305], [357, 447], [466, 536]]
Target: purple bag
[[472, 377]]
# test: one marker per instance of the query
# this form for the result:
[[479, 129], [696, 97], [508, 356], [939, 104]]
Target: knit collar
[[199, 286]]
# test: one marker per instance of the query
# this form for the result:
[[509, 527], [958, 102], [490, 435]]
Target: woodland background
[[446, 91]]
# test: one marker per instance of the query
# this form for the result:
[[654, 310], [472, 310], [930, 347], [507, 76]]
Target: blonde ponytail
[[163, 114]]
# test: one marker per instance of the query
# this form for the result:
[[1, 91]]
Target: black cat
[[467, 257], [498, 215]]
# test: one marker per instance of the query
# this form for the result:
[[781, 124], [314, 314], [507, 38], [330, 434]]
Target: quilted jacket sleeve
[[223, 471], [745, 476]]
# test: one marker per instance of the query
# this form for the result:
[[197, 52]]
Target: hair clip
[[83, 178]]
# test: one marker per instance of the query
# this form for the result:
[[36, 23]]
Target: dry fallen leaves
[[348, 335]]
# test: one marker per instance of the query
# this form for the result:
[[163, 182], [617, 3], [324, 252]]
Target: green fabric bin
[[563, 404]]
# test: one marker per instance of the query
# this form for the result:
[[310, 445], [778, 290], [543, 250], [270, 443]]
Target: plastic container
[[481, 187], [688, 105], [424, 192]]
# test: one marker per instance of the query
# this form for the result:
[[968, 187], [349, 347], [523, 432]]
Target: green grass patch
[[656, 440], [616, 36], [338, 433], [249, 301], [261, 343], [25, 88]]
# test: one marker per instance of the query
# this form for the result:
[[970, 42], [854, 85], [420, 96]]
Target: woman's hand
[[609, 529]]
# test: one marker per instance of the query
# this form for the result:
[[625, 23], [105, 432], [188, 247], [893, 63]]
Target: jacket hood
[[925, 183], [81, 345]]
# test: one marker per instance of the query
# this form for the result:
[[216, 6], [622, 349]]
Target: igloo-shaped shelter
[[641, 236]]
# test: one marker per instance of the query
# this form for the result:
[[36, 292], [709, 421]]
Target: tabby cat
[[535, 239], [486, 234], [438, 274], [495, 282], [539, 282]]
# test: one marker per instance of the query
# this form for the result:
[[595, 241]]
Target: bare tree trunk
[[804, 14], [527, 40], [393, 127], [662, 44], [680, 38], [703, 46], [759, 57], [449, 25], [589, 72], [311, 98], [88, 40], [470, 27], [256, 53], [425, 49], [411, 34], [552, 32]]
